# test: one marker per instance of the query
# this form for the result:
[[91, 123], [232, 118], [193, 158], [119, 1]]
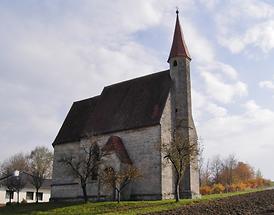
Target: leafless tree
[[228, 166], [40, 167], [15, 184], [18, 161], [84, 165], [216, 167], [118, 180], [12, 183], [181, 152], [205, 174]]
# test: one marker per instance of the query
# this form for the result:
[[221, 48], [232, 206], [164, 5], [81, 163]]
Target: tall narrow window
[[174, 63], [94, 175]]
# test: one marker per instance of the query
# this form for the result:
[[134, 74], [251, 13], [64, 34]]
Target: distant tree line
[[36, 165], [228, 175]]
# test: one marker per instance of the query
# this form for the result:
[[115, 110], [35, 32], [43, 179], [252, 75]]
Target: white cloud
[[260, 36], [200, 48], [210, 4], [216, 110], [248, 135], [266, 84], [221, 91], [245, 24], [46, 63]]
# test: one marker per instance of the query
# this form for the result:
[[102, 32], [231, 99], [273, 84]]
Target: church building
[[133, 119]]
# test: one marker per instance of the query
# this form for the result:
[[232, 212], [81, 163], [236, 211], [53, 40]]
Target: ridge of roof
[[130, 104], [126, 105], [87, 99], [139, 78]]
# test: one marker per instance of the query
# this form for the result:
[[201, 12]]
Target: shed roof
[[26, 180]]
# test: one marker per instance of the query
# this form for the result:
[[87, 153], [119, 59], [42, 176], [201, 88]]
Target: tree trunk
[[17, 196], [10, 196], [177, 189], [99, 190], [37, 195], [84, 188], [114, 194], [118, 196]]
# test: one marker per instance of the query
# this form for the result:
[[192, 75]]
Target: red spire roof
[[178, 48]]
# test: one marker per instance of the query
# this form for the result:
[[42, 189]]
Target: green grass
[[128, 207]]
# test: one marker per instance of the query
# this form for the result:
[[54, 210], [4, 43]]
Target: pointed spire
[[178, 48]]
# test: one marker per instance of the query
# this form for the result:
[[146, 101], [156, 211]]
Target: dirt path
[[247, 204]]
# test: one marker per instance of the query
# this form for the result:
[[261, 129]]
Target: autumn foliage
[[229, 175]]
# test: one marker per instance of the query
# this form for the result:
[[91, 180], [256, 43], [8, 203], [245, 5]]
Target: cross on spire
[[177, 10]]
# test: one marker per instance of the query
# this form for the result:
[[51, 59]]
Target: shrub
[[252, 183], [205, 190], [260, 182], [231, 188], [218, 188], [24, 201], [240, 186], [267, 182]]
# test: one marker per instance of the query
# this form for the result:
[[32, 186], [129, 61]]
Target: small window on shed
[[9, 194], [40, 196], [175, 63], [29, 196]]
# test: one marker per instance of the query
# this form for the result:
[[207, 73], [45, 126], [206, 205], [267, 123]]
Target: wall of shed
[[23, 195]]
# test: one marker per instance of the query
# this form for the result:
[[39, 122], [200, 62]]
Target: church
[[133, 118]]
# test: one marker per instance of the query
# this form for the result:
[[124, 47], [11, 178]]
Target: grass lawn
[[129, 207]]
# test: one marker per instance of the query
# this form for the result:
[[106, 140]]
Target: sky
[[54, 52]]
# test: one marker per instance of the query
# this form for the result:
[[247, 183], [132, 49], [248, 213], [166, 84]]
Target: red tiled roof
[[116, 145], [178, 48]]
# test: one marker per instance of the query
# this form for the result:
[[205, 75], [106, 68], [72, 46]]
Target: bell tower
[[182, 121]]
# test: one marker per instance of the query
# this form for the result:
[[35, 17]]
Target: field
[[129, 207], [251, 203]]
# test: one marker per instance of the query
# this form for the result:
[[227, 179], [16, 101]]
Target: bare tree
[[229, 165], [16, 183], [18, 161], [205, 174], [118, 180], [216, 167], [12, 183], [40, 167], [85, 164], [181, 152]]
